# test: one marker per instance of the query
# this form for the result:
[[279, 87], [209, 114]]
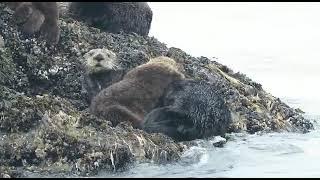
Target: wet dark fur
[[189, 110], [115, 16], [96, 82]]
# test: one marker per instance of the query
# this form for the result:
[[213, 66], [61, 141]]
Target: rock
[[61, 139], [9, 172], [19, 112], [1, 42], [219, 141], [63, 9], [215, 141]]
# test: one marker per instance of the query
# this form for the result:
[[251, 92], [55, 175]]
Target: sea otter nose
[[99, 57]]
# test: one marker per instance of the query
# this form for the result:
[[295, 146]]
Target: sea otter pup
[[35, 16], [137, 93], [115, 16], [101, 70], [189, 110]]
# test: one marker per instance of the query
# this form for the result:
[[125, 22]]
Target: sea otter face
[[97, 60]]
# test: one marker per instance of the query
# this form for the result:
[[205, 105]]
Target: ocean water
[[275, 44]]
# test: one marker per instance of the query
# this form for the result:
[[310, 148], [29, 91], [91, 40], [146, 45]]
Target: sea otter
[[189, 109], [115, 16], [38, 16], [137, 93], [101, 70]]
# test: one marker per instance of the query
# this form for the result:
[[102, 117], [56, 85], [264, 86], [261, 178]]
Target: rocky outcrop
[[44, 121], [46, 133]]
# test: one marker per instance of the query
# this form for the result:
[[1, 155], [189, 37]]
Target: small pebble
[[219, 141]]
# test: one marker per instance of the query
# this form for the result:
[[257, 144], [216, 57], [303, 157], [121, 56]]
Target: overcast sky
[[237, 27]]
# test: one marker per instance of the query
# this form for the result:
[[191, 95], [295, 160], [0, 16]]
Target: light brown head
[[158, 70], [97, 60]]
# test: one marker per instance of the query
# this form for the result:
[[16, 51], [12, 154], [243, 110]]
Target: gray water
[[275, 44]]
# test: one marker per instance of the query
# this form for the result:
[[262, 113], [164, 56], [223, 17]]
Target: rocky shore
[[45, 126]]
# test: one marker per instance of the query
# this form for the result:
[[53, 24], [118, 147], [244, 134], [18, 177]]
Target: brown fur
[[35, 16], [137, 94]]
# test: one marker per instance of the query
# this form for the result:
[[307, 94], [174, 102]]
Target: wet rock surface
[[45, 126], [1, 42]]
